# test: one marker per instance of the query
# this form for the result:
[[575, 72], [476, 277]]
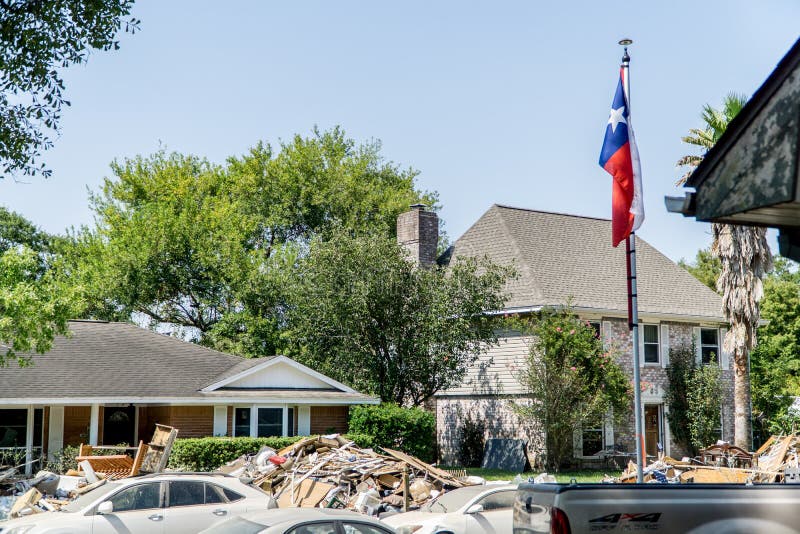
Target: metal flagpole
[[633, 311]]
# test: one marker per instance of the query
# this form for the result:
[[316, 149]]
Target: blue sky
[[495, 102]]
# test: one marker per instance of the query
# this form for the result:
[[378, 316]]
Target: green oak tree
[[364, 314], [35, 302], [210, 249], [38, 38], [705, 267]]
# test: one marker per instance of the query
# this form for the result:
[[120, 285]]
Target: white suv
[[154, 504]]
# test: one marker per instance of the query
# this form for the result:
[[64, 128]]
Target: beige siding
[[494, 372]]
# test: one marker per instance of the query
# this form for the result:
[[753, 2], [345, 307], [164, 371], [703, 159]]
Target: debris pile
[[330, 471], [778, 460], [46, 492]]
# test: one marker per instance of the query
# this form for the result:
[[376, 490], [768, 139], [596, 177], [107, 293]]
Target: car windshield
[[90, 496], [453, 500], [236, 525]]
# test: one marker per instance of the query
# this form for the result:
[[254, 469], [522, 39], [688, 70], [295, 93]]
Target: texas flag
[[620, 159]]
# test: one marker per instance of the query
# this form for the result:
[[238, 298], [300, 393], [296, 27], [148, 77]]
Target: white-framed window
[[709, 345], [650, 343], [264, 420]]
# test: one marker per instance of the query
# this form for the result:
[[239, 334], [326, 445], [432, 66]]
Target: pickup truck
[[692, 508]]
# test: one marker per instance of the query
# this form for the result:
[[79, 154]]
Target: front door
[[652, 428]]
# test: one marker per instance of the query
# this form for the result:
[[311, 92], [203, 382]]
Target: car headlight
[[408, 529], [19, 530]]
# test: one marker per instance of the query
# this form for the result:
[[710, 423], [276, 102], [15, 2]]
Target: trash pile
[[45, 492], [330, 471], [778, 460]]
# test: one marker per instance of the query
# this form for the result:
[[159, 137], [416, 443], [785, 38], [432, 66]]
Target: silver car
[[301, 521], [471, 510], [180, 503]]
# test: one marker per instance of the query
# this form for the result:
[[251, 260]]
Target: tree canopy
[[364, 314], [37, 39], [211, 248], [35, 303]]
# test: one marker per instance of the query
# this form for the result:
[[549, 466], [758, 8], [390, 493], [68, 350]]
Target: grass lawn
[[585, 475]]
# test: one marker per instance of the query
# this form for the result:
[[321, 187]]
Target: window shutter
[[698, 350], [608, 428], [641, 345], [606, 327], [724, 356], [664, 345]]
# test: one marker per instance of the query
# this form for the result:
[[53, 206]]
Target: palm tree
[[745, 258]]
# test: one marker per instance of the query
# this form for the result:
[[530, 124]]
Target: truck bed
[[695, 508]]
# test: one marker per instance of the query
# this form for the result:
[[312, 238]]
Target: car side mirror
[[105, 507], [475, 509]]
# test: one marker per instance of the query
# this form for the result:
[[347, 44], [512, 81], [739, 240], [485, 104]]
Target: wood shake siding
[[76, 425], [191, 421], [326, 419]]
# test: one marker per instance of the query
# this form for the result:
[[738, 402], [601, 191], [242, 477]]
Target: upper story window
[[709, 344], [650, 342]]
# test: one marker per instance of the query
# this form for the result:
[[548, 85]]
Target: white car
[[470, 510], [301, 521], [153, 504]]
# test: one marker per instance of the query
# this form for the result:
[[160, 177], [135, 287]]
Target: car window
[[138, 497], [363, 528], [231, 495], [501, 500], [186, 493], [313, 528], [215, 494]]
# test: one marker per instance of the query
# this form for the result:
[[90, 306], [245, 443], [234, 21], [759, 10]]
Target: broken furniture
[[149, 458]]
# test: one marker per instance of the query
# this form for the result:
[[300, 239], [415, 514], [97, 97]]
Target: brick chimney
[[418, 233]]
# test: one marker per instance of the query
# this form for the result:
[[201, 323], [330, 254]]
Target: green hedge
[[411, 430], [207, 454]]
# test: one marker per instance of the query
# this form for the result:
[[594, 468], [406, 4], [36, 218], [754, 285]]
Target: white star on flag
[[616, 117]]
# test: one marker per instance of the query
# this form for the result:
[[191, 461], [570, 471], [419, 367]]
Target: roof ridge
[[506, 206], [531, 280]]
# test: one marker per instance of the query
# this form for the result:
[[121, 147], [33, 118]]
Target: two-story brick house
[[565, 257]]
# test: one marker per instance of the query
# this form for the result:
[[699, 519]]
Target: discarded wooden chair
[[149, 457]]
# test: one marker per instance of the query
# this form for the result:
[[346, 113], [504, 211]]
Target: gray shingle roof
[[121, 360], [559, 256]]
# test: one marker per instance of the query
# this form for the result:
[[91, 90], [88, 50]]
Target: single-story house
[[558, 258], [109, 383]]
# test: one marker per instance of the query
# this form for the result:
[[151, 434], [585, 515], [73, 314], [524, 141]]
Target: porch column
[[29, 442], [253, 422], [303, 420], [55, 432], [94, 424], [285, 421]]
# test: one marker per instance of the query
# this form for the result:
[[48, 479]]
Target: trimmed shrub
[[411, 430], [207, 454], [472, 443]]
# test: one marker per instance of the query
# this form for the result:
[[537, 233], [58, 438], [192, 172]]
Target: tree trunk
[[741, 401]]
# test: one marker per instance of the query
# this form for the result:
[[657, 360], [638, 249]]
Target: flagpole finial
[[625, 42]]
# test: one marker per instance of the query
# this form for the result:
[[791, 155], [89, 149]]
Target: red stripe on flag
[[620, 167]]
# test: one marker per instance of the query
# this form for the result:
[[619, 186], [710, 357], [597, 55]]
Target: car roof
[[284, 515]]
